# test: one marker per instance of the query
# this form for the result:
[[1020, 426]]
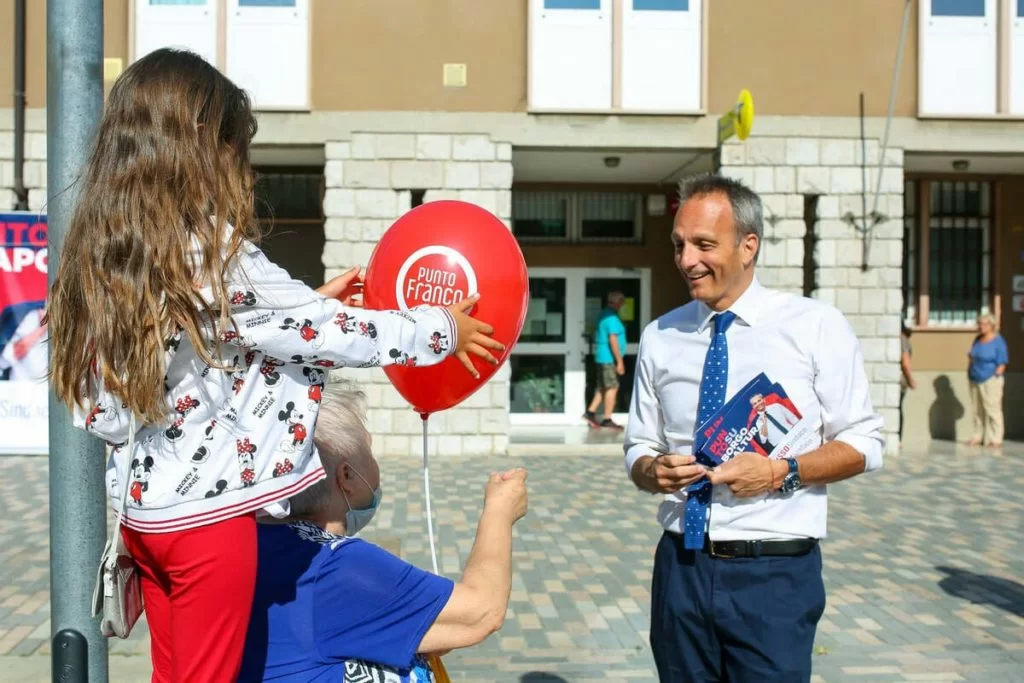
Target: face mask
[[356, 520]]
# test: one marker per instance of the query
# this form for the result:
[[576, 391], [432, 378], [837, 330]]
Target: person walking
[[989, 357], [737, 587], [609, 351]]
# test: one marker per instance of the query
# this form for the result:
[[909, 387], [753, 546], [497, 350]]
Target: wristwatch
[[791, 482]]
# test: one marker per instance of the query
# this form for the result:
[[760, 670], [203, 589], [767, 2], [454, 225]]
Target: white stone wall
[[784, 169], [34, 171], [369, 179]]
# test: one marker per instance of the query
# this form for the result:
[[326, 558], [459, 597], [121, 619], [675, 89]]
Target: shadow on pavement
[[982, 589]]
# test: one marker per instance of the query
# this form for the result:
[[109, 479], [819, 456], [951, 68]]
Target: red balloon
[[439, 253]]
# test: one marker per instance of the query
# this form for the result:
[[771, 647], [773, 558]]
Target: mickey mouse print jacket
[[240, 439]]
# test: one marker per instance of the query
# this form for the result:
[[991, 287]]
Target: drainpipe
[[19, 107]]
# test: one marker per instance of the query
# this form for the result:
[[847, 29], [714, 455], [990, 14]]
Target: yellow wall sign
[[739, 120]]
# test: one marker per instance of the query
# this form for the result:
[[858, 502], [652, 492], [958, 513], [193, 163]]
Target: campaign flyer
[[760, 418]]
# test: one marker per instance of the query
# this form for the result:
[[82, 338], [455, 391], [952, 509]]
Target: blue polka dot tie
[[712, 397]]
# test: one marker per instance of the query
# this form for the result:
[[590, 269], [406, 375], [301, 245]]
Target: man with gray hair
[[331, 607], [737, 590]]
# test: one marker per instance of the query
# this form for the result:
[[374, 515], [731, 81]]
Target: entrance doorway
[[553, 372]]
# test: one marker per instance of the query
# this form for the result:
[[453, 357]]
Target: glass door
[[552, 366], [634, 284], [547, 363]]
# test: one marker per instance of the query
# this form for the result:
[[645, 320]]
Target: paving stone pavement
[[923, 565]]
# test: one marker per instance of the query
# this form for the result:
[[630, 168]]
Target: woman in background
[[988, 359]]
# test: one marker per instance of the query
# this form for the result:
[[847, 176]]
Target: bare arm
[[478, 603], [834, 461], [751, 474], [907, 372], [613, 343]]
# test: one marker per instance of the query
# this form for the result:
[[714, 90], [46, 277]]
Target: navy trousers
[[741, 620]]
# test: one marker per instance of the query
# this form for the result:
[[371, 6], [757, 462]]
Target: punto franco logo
[[435, 275]]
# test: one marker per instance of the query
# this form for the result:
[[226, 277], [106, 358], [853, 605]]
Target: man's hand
[[912, 383], [749, 474], [506, 491], [346, 288], [667, 473], [620, 368], [474, 336]]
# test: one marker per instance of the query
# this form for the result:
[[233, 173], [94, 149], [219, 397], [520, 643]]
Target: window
[[189, 24], [661, 5], [573, 65], [289, 207], [277, 78], [274, 78], [1016, 56], [958, 8], [540, 215], [960, 43], [608, 216], [948, 238], [572, 4], [910, 252], [577, 217]]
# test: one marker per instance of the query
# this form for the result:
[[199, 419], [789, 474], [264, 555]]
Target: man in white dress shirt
[[737, 589]]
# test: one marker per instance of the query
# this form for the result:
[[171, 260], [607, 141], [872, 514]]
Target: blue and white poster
[[24, 354]]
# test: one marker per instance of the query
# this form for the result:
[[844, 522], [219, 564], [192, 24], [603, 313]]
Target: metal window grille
[[609, 216], [959, 245], [910, 252], [289, 196], [542, 216], [577, 217]]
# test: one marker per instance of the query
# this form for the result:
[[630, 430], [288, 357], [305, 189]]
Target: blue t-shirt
[[608, 323], [986, 357], [337, 609]]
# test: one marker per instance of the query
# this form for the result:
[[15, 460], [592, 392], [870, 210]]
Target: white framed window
[[570, 54], [276, 78], [959, 57], [266, 48], [577, 217], [190, 24], [662, 49], [1017, 58]]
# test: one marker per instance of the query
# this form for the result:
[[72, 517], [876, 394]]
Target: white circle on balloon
[[454, 258]]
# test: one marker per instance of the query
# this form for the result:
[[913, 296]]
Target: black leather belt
[[727, 550], [732, 549]]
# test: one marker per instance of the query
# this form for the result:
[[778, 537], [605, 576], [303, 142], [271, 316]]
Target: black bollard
[[69, 659]]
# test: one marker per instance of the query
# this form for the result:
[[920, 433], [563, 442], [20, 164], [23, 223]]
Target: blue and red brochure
[[760, 418]]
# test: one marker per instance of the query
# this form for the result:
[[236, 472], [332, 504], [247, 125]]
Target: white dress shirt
[[803, 344]]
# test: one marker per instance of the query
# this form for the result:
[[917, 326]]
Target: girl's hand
[[346, 288], [473, 336]]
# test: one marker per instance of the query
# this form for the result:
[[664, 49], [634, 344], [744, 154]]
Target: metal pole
[[893, 87], [19, 106], [78, 529]]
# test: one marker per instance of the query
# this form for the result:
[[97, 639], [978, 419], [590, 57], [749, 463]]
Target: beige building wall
[[368, 55]]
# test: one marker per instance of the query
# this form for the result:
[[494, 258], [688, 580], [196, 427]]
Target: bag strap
[[115, 540]]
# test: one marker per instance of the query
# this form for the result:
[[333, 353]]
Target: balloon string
[[426, 493]]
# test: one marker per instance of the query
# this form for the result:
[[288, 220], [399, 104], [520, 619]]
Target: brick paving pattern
[[923, 567]]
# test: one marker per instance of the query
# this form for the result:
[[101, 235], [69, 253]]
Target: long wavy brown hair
[[168, 172]]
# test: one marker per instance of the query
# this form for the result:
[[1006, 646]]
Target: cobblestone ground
[[923, 564]]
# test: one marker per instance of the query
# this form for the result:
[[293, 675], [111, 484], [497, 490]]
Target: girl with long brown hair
[[165, 312]]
